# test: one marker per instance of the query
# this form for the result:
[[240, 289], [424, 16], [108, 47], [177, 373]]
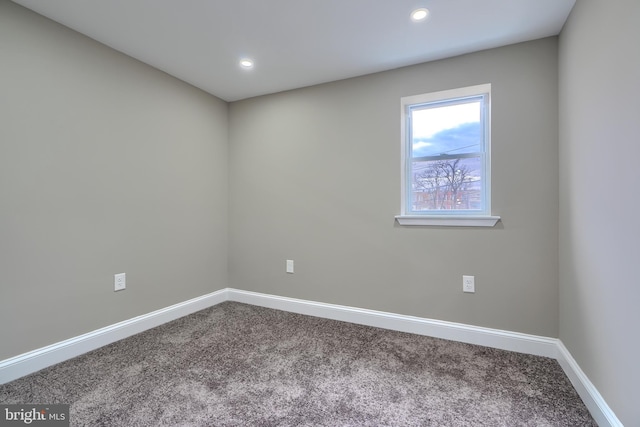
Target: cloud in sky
[[426, 122], [463, 138]]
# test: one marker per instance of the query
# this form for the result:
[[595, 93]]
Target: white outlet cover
[[468, 284], [290, 266], [120, 281]]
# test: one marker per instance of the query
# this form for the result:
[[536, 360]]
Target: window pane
[[445, 128], [453, 184]]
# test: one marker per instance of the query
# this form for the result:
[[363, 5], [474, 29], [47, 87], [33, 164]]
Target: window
[[446, 158]]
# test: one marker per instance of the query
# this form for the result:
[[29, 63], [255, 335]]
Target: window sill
[[448, 221]]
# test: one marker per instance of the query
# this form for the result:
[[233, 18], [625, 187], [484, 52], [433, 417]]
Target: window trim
[[449, 220], [446, 217]]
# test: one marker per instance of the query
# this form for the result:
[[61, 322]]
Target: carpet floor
[[241, 365]]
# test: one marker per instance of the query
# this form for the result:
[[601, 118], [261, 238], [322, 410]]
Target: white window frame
[[481, 218]]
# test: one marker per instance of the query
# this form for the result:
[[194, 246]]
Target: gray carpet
[[240, 365]]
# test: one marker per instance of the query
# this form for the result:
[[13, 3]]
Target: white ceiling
[[297, 43]]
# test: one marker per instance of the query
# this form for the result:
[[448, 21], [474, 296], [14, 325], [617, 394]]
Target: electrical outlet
[[120, 282], [290, 266], [468, 284]]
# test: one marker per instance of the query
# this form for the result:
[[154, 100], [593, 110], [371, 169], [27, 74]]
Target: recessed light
[[419, 15], [246, 63]]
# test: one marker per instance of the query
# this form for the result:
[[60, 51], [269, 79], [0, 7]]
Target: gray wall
[[599, 231], [315, 177], [106, 166]]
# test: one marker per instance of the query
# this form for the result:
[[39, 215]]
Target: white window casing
[[454, 187]]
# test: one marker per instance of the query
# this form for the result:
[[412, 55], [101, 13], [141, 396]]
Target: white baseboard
[[33, 361], [598, 408], [513, 341], [27, 363]]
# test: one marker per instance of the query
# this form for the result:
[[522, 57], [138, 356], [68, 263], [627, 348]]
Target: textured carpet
[[241, 365]]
